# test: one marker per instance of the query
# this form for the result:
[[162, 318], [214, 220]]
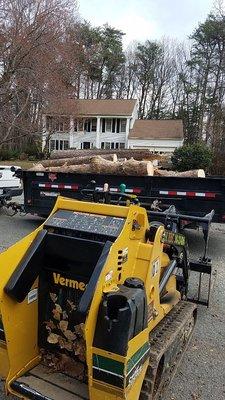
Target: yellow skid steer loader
[[92, 306]]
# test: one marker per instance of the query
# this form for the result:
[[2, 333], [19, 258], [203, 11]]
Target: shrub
[[31, 149], [192, 156], [6, 154]]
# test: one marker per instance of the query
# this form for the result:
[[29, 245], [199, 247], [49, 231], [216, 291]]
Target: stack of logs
[[120, 162]]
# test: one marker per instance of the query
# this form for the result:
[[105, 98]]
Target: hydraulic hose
[[167, 274]]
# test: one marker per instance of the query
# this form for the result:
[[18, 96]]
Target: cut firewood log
[[79, 169], [99, 165], [38, 168], [134, 167], [120, 159], [195, 173], [129, 167], [137, 154], [75, 160]]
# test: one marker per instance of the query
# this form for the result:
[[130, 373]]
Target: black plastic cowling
[[122, 315]]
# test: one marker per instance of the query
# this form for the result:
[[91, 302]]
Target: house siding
[[112, 137], [78, 137]]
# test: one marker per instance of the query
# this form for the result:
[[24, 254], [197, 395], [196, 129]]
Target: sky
[[147, 19]]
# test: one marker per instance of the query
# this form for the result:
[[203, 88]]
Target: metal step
[[41, 384]]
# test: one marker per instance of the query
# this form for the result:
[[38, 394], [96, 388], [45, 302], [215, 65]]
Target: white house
[[106, 124]]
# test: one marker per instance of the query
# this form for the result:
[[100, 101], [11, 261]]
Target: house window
[[87, 125], [120, 145], [114, 125], [80, 125], [61, 124], [75, 125], [63, 144], [123, 124], [94, 125], [66, 144], [52, 145], [112, 145], [106, 145], [108, 125], [90, 125], [86, 145], [117, 125], [58, 145], [103, 125]]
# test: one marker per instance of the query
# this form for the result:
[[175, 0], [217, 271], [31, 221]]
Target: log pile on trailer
[[142, 154], [121, 162]]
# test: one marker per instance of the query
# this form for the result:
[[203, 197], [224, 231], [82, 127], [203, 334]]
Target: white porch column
[[71, 130], [44, 131], [98, 139], [127, 132]]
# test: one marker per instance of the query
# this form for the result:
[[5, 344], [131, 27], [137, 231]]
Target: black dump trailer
[[177, 203], [190, 196]]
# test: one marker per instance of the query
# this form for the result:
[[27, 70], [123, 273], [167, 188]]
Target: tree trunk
[[195, 173], [142, 154], [79, 169], [129, 167], [139, 168], [38, 168], [75, 160]]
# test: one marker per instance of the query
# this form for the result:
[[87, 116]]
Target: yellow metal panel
[[95, 208], [19, 319], [4, 360]]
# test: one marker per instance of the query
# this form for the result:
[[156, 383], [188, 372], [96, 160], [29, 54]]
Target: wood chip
[[53, 297], [58, 308], [79, 329], [63, 325], [69, 335], [65, 315], [56, 315], [50, 324], [53, 338], [72, 305]]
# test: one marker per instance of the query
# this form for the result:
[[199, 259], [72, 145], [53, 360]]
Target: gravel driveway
[[201, 375]]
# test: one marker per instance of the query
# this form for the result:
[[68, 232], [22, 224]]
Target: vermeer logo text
[[71, 283]]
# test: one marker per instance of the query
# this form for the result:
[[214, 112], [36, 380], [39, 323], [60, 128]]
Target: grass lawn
[[23, 164]]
